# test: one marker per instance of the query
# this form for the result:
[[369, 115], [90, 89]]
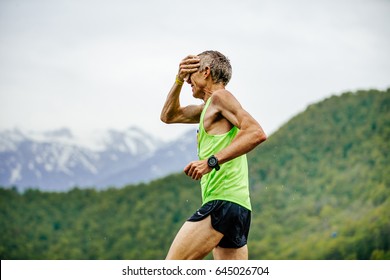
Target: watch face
[[212, 161]]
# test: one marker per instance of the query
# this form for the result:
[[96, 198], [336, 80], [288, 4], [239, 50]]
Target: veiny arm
[[251, 133], [172, 112]]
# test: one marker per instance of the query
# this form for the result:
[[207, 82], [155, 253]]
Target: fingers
[[187, 168], [192, 171], [191, 57], [188, 65], [190, 62], [197, 169]]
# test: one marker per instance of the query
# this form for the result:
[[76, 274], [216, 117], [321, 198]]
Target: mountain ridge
[[58, 161], [320, 189]]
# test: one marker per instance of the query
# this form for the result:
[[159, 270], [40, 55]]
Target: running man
[[226, 133]]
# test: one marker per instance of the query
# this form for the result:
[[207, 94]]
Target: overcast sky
[[93, 65]]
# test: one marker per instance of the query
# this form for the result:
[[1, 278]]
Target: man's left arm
[[251, 133]]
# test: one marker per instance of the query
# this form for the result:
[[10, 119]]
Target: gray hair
[[220, 68]]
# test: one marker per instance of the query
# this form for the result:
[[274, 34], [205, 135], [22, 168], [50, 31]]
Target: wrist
[[179, 81], [213, 163]]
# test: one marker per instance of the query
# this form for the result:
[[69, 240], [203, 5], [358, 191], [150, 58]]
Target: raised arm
[[172, 111]]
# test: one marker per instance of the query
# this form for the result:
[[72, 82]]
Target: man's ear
[[206, 72]]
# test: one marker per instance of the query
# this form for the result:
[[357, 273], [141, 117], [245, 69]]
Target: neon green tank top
[[231, 181]]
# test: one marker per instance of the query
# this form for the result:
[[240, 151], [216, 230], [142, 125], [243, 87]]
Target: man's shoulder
[[221, 95], [223, 98], [221, 92]]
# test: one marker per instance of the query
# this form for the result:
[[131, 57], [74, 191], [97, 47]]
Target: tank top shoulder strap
[[204, 111]]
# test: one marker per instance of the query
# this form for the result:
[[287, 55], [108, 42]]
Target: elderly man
[[226, 133]]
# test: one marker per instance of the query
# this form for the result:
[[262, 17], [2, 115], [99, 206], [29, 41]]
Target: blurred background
[[88, 171]]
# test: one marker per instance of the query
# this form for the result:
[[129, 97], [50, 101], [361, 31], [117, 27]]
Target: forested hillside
[[322, 182], [320, 190]]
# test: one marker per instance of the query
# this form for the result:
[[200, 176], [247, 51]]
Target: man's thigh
[[194, 240]]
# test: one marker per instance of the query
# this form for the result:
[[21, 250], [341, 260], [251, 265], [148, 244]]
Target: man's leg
[[194, 241], [220, 253]]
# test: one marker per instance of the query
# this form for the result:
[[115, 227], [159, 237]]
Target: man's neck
[[209, 91]]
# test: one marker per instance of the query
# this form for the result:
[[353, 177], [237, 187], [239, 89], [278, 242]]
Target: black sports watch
[[213, 162]]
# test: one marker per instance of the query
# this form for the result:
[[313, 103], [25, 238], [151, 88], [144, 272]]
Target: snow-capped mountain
[[57, 160], [170, 158]]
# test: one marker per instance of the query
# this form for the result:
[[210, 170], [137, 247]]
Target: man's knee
[[221, 253]]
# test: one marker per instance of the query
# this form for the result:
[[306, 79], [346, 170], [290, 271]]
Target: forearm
[[172, 112], [172, 104], [244, 142]]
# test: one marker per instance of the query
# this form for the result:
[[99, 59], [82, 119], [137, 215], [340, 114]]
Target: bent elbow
[[164, 119], [259, 136]]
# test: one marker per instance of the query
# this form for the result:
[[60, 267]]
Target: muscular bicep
[[232, 110]]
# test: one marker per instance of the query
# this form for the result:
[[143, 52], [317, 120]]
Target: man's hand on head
[[190, 64]]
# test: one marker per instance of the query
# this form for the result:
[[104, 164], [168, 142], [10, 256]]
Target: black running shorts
[[230, 219]]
